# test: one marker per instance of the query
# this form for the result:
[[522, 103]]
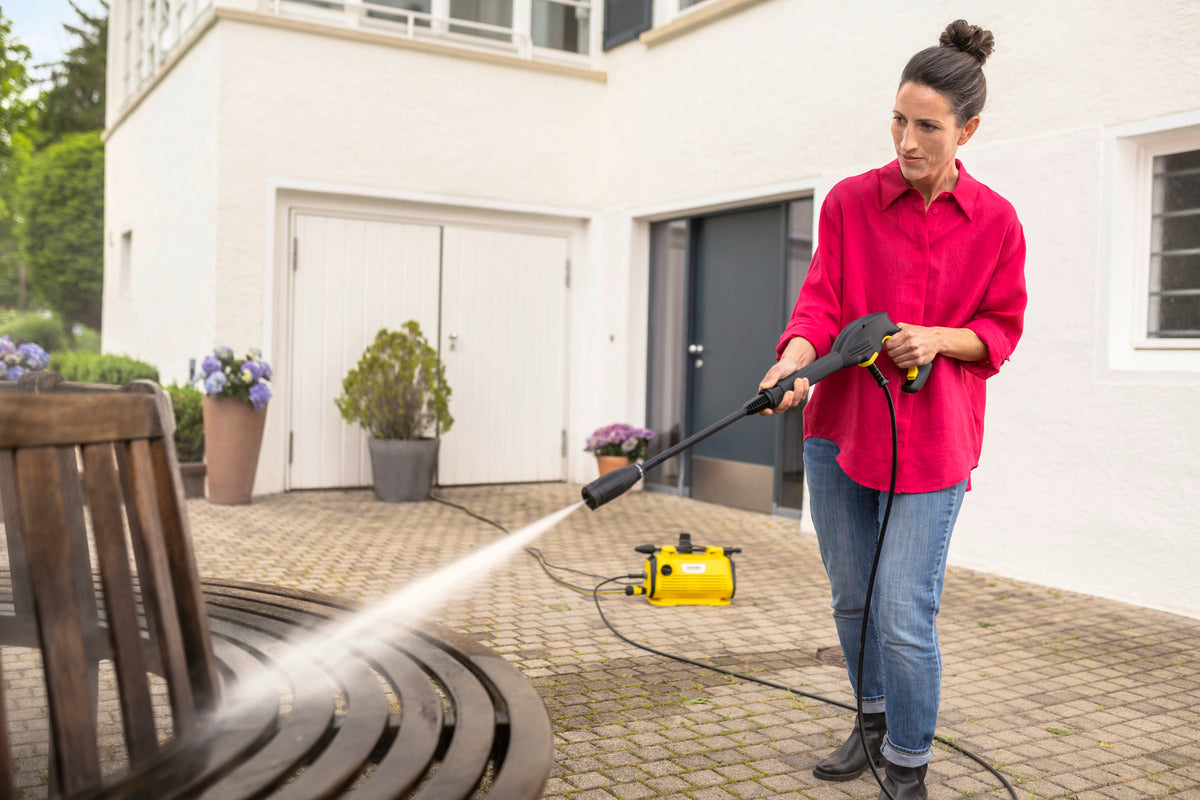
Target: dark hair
[[955, 68]]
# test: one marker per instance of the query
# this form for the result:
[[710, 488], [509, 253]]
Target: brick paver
[[1069, 696]]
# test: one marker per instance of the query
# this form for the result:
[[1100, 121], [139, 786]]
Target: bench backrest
[[102, 566]]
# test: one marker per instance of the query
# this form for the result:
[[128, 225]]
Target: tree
[[75, 100], [15, 115], [62, 232]]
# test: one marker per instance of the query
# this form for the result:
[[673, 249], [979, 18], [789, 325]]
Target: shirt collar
[[892, 185]]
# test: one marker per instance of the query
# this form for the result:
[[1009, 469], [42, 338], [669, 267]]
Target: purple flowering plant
[[16, 360], [620, 439], [246, 379]]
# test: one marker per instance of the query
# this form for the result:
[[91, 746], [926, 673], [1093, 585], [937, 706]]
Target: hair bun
[[971, 39]]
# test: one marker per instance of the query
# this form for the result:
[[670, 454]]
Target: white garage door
[[501, 300]]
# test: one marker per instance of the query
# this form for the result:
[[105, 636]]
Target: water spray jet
[[394, 615]]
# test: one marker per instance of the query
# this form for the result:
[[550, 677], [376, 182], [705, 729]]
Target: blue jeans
[[902, 662]]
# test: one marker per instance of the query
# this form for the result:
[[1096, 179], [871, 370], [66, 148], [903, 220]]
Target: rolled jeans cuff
[[873, 705], [904, 758]]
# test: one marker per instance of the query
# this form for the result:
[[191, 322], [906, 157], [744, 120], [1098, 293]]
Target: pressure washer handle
[[818, 370], [916, 378]]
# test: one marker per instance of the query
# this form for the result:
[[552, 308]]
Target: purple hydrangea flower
[[259, 395], [210, 364], [15, 373], [215, 382], [223, 352], [267, 372], [251, 372], [35, 357]]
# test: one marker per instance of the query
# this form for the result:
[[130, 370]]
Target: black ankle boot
[[849, 761], [905, 783]]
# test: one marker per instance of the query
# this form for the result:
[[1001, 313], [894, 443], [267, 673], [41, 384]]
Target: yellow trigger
[[874, 355]]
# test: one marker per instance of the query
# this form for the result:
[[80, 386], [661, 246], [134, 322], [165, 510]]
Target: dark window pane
[[1174, 302], [624, 20]]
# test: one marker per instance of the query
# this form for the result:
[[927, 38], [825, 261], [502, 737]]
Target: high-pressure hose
[[859, 343]]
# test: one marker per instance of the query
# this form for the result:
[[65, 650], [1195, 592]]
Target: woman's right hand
[[798, 354]]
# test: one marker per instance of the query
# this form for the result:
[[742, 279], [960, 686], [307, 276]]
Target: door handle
[[453, 337]]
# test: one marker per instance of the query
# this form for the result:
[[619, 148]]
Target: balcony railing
[[557, 31], [407, 23]]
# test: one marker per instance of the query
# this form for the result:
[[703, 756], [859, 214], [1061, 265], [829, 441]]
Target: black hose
[[595, 592]]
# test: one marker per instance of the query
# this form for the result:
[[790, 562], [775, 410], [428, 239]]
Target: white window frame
[[1129, 152]]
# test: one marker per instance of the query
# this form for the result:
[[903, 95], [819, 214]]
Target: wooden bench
[[102, 583]]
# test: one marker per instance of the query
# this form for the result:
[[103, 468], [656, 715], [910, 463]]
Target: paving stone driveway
[[1067, 695]]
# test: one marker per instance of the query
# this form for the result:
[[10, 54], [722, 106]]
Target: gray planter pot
[[402, 469], [192, 473]]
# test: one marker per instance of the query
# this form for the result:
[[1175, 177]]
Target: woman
[[944, 256]]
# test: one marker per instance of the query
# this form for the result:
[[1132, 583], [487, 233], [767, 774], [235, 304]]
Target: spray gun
[[859, 343]]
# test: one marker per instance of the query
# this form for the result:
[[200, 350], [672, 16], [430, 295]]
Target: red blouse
[[961, 264]]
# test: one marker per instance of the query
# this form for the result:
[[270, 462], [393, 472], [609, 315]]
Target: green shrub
[[188, 402], [36, 327], [75, 365], [87, 340], [398, 389]]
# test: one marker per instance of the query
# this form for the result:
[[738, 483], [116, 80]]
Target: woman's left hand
[[913, 346]]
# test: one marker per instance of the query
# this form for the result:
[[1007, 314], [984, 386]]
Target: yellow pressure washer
[[687, 574]]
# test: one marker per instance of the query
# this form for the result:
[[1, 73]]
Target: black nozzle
[[611, 485]]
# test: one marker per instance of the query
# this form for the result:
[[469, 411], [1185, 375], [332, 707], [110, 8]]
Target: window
[[1174, 286], [520, 25], [562, 25], [125, 264], [1152, 256]]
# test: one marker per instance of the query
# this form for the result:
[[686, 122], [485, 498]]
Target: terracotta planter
[[233, 433], [609, 463]]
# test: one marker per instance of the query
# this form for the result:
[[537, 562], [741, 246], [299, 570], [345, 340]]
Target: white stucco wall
[[161, 185], [1088, 476]]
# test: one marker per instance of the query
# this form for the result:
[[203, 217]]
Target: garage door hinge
[[295, 253], [291, 441], [568, 273]]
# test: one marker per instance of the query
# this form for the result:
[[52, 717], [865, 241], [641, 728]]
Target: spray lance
[[859, 343]]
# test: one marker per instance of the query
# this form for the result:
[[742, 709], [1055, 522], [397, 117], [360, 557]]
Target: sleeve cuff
[[997, 344]]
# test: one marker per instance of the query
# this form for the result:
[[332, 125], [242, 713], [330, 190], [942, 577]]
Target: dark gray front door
[[738, 283]]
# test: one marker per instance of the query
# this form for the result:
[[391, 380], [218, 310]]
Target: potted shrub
[[236, 393], [187, 404], [398, 393]]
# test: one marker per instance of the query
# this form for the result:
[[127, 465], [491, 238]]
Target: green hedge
[[35, 327], [101, 368], [188, 402]]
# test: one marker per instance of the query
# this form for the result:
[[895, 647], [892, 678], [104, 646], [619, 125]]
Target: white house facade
[[601, 211]]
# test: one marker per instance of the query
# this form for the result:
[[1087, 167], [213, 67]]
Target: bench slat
[[158, 592], [298, 734], [60, 624], [184, 577], [42, 420], [529, 754], [104, 493], [465, 760]]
